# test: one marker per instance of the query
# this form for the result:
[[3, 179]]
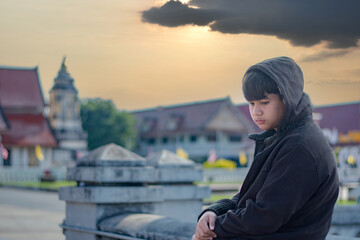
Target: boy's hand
[[205, 227]]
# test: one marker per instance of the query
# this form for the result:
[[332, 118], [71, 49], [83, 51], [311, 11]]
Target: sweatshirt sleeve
[[290, 182], [222, 206]]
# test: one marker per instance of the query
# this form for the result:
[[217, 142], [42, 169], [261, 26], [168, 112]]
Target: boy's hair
[[256, 84]]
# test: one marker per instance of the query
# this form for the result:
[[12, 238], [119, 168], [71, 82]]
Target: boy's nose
[[257, 110]]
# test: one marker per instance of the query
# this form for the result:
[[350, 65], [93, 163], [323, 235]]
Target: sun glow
[[162, 2]]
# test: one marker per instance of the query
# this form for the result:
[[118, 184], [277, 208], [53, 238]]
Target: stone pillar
[[114, 181], [346, 221]]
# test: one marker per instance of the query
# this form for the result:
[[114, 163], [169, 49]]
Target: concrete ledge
[[133, 194], [180, 174], [346, 215], [88, 215], [334, 237], [155, 227], [346, 221], [112, 195], [147, 174], [101, 174], [148, 226], [182, 192]]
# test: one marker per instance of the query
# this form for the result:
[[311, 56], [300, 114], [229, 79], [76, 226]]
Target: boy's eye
[[264, 103], [251, 103]]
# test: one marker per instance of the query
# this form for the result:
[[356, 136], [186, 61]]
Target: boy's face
[[267, 112]]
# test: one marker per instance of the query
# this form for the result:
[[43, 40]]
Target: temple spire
[[65, 115], [63, 66]]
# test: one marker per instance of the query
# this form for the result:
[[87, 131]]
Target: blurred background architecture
[[48, 136], [34, 134], [64, 116]]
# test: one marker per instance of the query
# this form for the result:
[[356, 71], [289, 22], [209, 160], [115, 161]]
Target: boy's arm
[[222, 206], [206, 220], [290, 182]]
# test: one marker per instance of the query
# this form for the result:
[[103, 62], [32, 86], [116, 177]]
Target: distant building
[[340, 122], [25, 131], [65, 117], [198, 128]]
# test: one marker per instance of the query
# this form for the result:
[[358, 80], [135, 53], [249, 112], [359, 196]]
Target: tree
[[105, 124]]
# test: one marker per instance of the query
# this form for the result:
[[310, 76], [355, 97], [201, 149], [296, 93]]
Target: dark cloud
[[324, 55], [303, 23], [174, 14]]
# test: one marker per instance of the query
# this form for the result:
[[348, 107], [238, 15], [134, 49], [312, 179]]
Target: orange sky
[[112, 54]]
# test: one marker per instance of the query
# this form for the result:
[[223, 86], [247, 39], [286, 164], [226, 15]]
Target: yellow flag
[[38, 153], [242, 158], [351, 160], [182, 153]]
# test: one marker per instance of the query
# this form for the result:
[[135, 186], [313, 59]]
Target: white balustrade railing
[[28, 175]]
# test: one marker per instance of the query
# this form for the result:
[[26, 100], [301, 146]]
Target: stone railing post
[[114, 181], [346, 221]]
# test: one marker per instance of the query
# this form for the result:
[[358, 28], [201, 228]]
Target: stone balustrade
[[113, 181], [346, 221]]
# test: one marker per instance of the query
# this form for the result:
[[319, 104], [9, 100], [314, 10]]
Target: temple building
[[200, 129], [64, 106], [27, 139], [33, 134], [340, 123]]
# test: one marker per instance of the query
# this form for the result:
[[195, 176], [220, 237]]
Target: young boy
[[292, 185]]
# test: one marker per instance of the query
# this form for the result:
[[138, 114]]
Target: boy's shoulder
[[307, 137]]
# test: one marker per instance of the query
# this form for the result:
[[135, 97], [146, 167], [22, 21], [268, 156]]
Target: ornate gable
[[226, 120]]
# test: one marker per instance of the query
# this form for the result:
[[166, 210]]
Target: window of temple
[[193, 138], [235, 138], [211, 138], [151, 141], [165, 140], [173, 123], [148, 124]]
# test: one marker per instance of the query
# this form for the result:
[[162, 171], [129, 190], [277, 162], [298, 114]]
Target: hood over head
[[289, 79]]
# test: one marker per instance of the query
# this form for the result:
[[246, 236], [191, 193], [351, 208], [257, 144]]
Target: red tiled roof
[[20, 88], [28, 130], [23, 103]]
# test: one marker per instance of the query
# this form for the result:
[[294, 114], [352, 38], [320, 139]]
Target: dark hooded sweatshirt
[[292, 185]]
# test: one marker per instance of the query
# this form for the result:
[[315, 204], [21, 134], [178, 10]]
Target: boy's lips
[[259, 122]]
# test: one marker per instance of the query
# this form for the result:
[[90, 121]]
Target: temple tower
[[65, 116]]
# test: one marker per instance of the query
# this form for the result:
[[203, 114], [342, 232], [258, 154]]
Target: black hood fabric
[[289, 79]]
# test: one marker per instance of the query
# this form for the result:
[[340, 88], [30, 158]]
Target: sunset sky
[[147, 53]]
